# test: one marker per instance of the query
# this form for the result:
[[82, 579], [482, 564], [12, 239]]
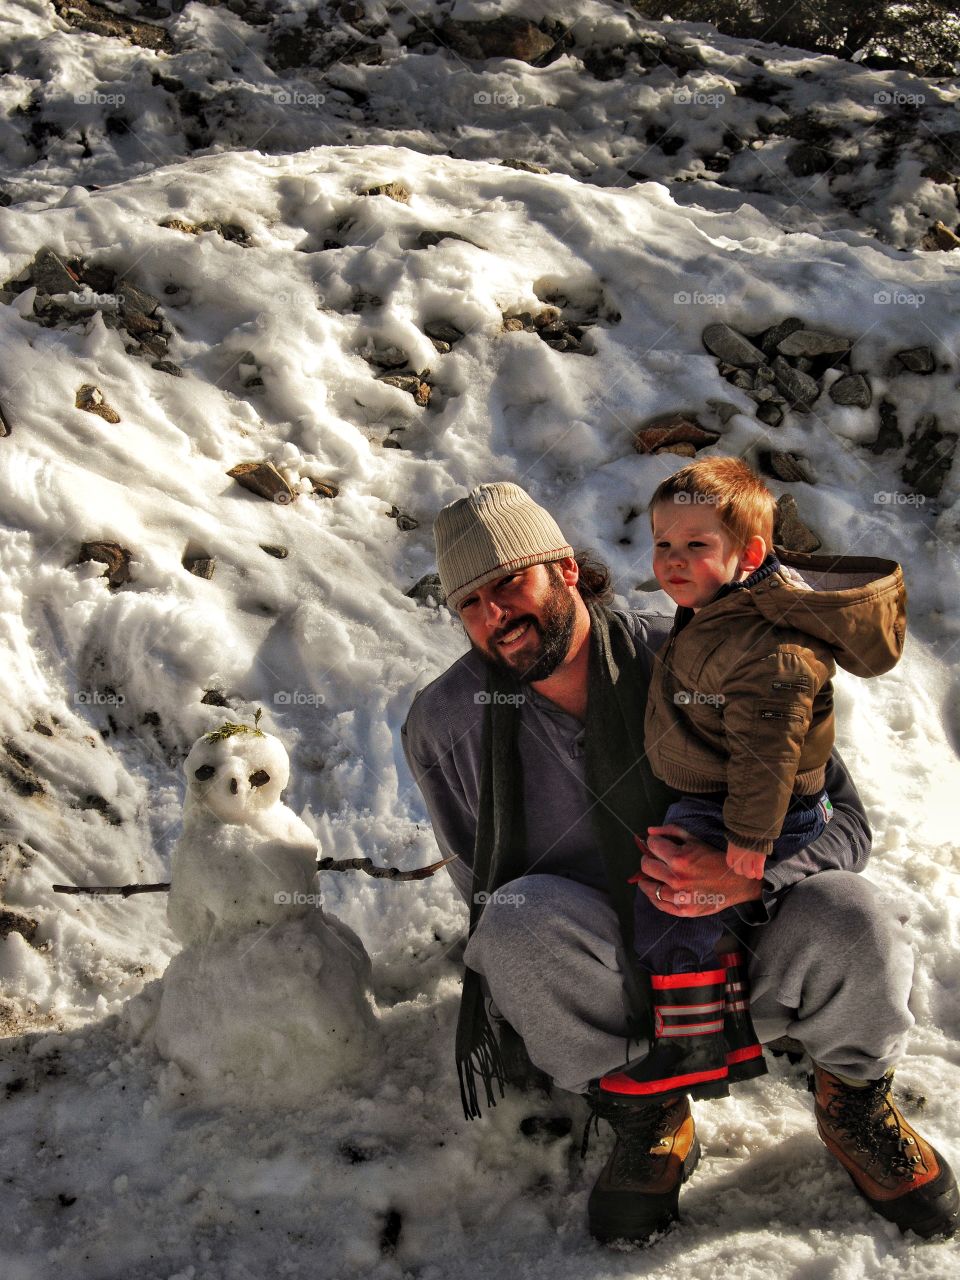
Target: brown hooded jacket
[[740, 700]]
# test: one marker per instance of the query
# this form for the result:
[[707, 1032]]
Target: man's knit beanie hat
[[496, 528]]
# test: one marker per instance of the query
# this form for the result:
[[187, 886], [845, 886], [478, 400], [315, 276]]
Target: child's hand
[[746, 862]]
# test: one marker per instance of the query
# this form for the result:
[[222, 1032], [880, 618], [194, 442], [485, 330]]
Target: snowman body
[[269, 991]]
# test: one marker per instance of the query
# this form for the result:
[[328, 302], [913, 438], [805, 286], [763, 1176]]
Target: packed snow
[[122, 1160]]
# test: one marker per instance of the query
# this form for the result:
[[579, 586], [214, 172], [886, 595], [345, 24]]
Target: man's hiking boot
[[687, 1052], [897, 1172], [656, 1151], [744, 1054]]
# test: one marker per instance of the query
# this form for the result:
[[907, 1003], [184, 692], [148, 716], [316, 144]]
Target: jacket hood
[[857, 605]]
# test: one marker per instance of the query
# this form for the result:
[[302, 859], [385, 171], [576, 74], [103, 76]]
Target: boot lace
[[637, 1129], [870, 1120]]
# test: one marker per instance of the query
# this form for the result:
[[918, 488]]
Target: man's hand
[[693, 878], [746, 862]]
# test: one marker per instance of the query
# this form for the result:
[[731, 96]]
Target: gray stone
[[889, 436], [506, 36], [725, 343], [427, 239], [405, 521], [667, 430], [853, 389], [4, 423], [136, 301], [116, 558], [916, 360], [200, 566], [799, 388], [275, 549], [776, 333], [525, 166], [806, 160], [415, 383], [51, 275], [812, 342], [724, 409], [929, 456], [770, 412], [388, 358], [90, 399], [789, 531], [789, 467], [428, 590], [443, 336], [398, 191], [263, 479]]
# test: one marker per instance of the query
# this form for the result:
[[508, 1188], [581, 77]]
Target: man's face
[[522, 622], [693, 556]]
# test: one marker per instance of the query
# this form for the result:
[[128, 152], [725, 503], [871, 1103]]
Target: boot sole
[[747, 1068], [936, 1214], [714, 1088], [611, 1228], [937, 1217]]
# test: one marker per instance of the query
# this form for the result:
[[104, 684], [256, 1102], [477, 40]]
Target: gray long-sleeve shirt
[[441, 741]]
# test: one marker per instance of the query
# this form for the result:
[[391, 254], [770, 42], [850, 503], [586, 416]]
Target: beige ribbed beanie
[[495, 528]]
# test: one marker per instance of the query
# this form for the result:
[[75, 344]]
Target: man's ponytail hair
[[595, 582], [743, 503]]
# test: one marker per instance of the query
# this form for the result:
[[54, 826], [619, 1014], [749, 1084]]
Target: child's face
[[692, 554]]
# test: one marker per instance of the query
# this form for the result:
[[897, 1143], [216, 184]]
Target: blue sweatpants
[[675, 944]]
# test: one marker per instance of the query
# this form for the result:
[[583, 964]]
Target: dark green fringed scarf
[[626, 798]]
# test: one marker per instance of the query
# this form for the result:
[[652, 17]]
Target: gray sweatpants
[[833, 968]]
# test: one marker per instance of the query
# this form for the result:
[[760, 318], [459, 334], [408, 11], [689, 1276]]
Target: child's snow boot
[[688, 1051], [744, 1054]]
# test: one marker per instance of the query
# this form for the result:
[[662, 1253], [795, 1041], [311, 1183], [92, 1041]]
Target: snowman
[[269, 992]]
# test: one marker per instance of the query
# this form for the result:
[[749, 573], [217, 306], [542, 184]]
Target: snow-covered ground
[[281, 324]]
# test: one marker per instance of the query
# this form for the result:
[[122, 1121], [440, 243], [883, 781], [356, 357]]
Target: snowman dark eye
[[204, 772], [259, 778]]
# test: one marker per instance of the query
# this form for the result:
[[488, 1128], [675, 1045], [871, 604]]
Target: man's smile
[[514, 636]]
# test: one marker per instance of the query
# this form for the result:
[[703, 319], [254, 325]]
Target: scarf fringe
[[481, 1058]]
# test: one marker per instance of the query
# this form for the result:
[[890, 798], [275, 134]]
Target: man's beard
[[553, 632]]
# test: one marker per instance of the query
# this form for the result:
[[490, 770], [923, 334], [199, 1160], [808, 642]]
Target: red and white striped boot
[[688, 1052], [744, 1054]]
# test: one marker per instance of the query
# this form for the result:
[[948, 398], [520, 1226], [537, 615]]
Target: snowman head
[[236, 772]]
